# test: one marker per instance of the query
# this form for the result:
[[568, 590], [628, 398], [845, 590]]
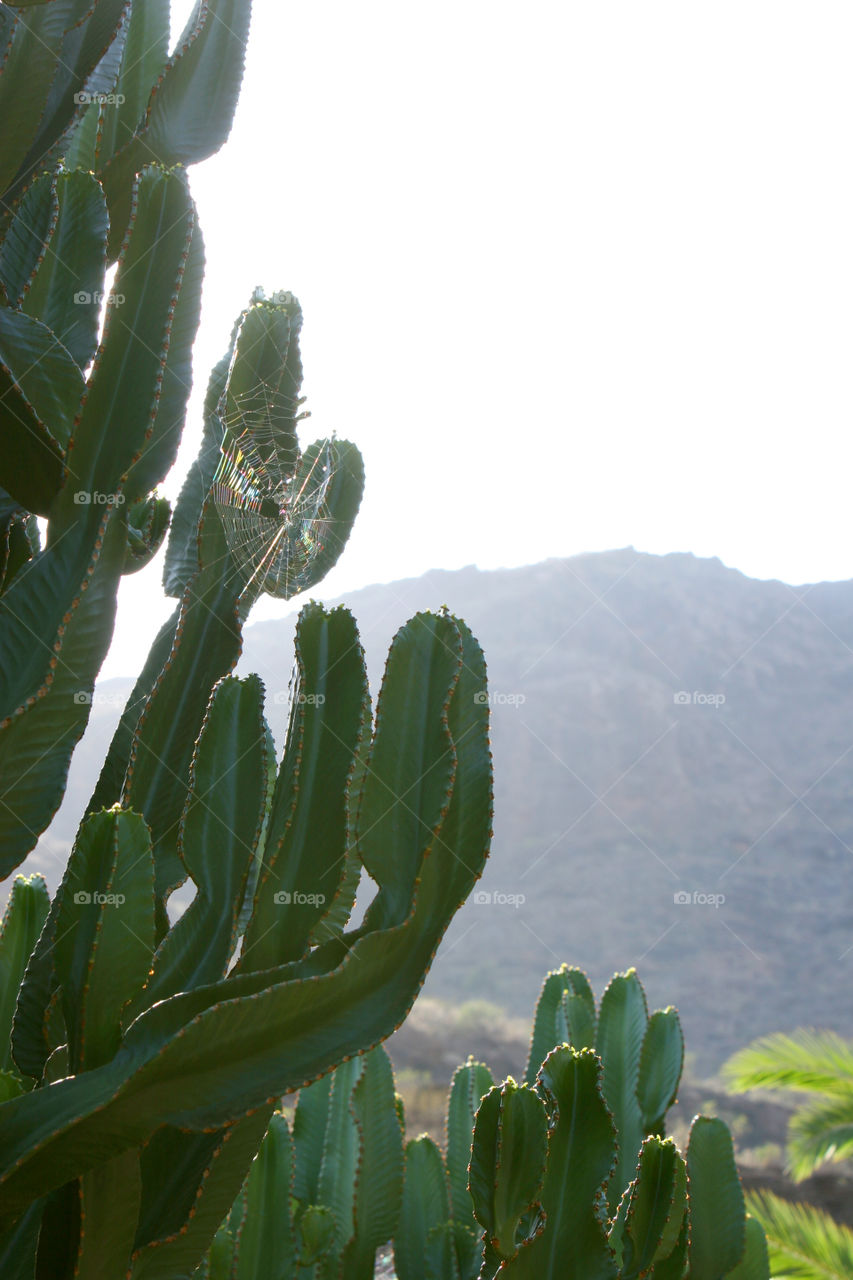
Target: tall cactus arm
[[407, 784], [105, 932], [191, 105], [37, 741], [379, 1178], [622, 1022], [303, 860], [126, 379], [206, 646], [573, 1245], [425, 1210], [225, 574], [109, 1206], [309, 1133], [717, 1212], [40, 390], [260, 403], [286, 517], [160, 449], [129, 369], [651, 1214], [31, 1042], [27, 233], [23, 920], [551, 1022], [267, 1243], [66, 597], [182, 550], [144, 54], [661, 1063], [508, 1158], [358, 988], [339, 1163], [67, 284], [111, 779], [327, 487], [470, 1084], [218, 834], [164, 1253], [58, 52]]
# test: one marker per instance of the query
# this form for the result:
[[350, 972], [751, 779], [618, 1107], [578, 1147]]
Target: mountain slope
[[615, 794]]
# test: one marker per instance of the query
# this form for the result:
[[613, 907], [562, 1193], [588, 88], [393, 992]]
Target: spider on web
[[273, 503]]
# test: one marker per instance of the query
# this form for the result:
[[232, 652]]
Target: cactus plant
[[97, 118], [144, 1057], [320, 1200], [521, 1188], [555, 1190]]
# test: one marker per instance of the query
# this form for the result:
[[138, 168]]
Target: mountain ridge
[[661, 726]]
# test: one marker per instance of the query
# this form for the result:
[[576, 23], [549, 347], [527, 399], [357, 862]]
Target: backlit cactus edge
[[142, 1062]]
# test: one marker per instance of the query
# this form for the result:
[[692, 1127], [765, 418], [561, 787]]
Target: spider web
[[274, 509]]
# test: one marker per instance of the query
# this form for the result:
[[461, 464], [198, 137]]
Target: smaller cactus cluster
[[567, 1175]]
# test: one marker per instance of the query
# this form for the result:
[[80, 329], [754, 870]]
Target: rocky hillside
[[673, 751]]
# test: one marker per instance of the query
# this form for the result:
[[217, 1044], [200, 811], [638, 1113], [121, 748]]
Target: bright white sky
[[574, 275]]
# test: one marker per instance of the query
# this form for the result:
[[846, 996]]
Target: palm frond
[[821, 1130], [804, 1060], [804, 1243]]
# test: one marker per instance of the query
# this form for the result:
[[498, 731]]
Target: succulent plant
[[145, 1056]]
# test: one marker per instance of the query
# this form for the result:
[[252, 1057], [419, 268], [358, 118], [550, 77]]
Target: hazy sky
[[574, 276]]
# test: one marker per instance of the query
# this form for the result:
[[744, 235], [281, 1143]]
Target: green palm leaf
[[814, 1061], [821, 1131], [804, 1243], [819, 1062]]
